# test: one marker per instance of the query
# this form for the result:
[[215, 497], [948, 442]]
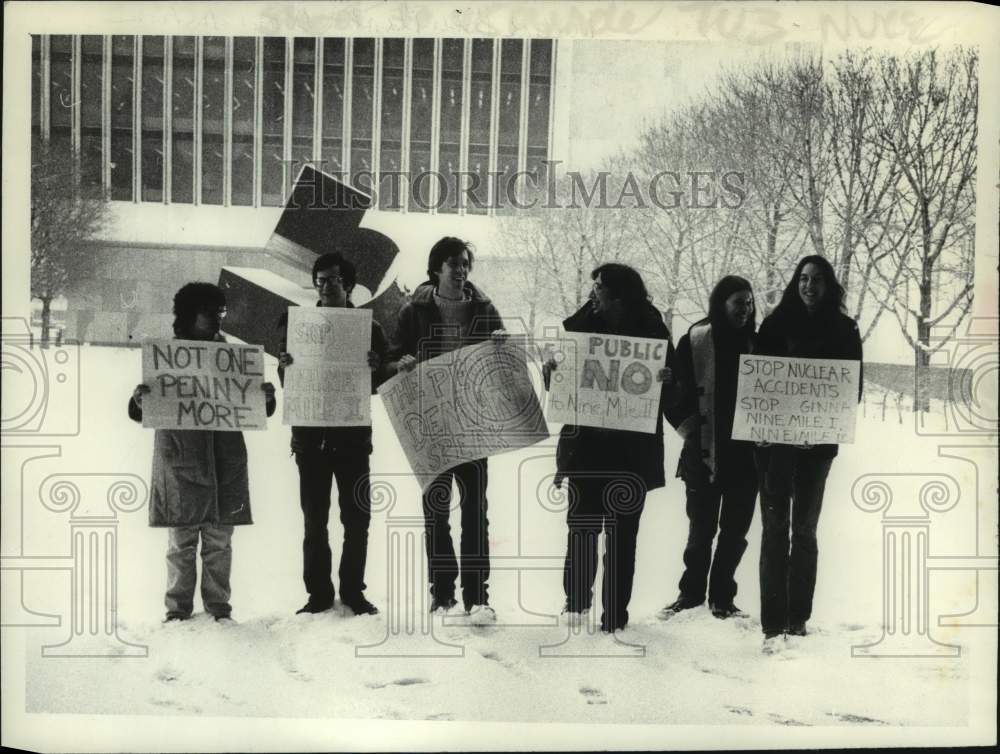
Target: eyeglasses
[[211, 311], [320, 281]]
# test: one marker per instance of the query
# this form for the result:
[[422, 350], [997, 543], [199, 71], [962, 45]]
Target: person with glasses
[[200, 482], [718, 473], [609, 471], [444, 313], [325, 454]]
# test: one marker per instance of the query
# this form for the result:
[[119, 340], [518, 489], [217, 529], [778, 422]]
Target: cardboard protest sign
[[606, 381], [199, 384], [796, 401], [471, 403], [328, 383]]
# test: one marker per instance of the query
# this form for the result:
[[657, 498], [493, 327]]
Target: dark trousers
[[728, 510], [791, 496], [442, 566], [316, 474], [613, 504]]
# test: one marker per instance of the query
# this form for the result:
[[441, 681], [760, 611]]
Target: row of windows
[[229, 120]]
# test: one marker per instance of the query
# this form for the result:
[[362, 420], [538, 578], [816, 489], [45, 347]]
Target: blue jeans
[[216, 564], [792, 482]]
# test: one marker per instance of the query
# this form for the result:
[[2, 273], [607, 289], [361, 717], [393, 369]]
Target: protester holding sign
[[446, 313], [718, 472], [200, 485], [808, 322], [609, 471], [325, 453]]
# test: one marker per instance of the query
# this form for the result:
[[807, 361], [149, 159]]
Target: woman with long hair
[[719, 476], [809, 322], [609, 471]]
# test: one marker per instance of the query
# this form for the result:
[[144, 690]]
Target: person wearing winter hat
[[200, 482]]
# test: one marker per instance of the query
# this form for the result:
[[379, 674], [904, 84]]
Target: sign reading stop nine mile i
[[796, 401]]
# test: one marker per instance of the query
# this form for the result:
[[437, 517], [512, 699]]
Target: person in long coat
[[609, 471], [199, 480]]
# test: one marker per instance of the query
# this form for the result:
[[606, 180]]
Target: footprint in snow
[[786, 720], [441, 716], [167, 675], [397, 682], [847, 717], [592, 695], [740, 711]]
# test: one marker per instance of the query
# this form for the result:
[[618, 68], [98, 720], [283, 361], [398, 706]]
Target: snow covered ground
[[691, 671]]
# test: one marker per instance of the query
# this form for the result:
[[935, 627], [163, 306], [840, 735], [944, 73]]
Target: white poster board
[[607, 381], [328, 383], [199, 384], [796, 401], [467, 404]]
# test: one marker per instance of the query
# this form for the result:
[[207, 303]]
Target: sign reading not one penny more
[[796, 401], [199, 384], [328, 383], [606, 381]]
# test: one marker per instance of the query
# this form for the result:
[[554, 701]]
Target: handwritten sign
[[606, 381], [470, 403], [796, 401], [198, 384], [328, 383]]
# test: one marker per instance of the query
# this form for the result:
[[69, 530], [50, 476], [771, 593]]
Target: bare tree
[[929, 125], [66, 213]]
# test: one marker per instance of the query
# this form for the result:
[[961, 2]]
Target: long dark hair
[[725, 288], [191, 299], [791, 308], [625, 283]]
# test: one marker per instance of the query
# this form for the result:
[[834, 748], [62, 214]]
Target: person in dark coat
[[445, 313], [609, 471], [323, 454], [199, 482], [718, 472], [809, 322]]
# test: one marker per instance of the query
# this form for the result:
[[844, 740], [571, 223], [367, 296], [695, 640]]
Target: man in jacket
[[445, 313], [323, 454]]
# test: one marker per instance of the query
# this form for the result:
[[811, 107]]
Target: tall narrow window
[[274, 122], [362, 113], [449, 149], [510, 119], [213, 98], [152, 119], [122, 83], [539, 95], [333, 106], [391, 125], [91, 100], [61, 96], [303, 103], [480, 101], [421, 115], [244, 83], [182, 122], [36, 91]]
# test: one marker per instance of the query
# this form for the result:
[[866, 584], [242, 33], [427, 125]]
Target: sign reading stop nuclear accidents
[[607, 381], [198, 384], [796, 401]]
